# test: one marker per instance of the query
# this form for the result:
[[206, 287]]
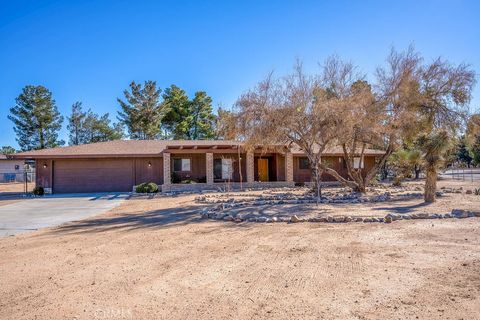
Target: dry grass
[[156, 259]]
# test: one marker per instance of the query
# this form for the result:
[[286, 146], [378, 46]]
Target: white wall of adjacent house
[[11, 166]]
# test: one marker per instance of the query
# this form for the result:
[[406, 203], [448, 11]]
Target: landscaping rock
[[339, 219], [469, 191], [388, 218], [460, 213], [228, 218], [294, 219]]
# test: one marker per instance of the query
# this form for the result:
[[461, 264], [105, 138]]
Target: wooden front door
[[263, 170]]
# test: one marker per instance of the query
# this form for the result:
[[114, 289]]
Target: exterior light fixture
[[45, 165], [149, 164]]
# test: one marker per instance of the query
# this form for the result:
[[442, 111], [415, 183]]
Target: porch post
[[167, 180], [250, 167], [289, 167], [209, 157]]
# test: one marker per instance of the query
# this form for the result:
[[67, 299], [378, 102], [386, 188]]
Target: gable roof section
[[143, 148]]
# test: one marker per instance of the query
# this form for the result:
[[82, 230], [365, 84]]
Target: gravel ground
[[157, 259]]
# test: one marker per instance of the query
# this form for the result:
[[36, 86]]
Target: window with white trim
[[358, 163], [181, 164], [223, 169]]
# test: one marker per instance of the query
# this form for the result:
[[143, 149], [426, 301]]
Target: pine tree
[[75, 123], [188, 119], [89, 127], [7, 150], [36, 119], [142, 112], [202, 119], [175, 122]]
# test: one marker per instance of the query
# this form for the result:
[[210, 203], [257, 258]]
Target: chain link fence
[[16, 182], [462, 173]]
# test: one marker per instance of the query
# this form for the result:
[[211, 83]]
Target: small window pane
[[303, 163], [227, 169], [217, 168], [357, 163], [177, 164], [185, 164]]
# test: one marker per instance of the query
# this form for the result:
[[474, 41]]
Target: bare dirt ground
[[156, 259], [16, 187]]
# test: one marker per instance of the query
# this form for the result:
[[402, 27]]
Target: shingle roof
[[138, 148]]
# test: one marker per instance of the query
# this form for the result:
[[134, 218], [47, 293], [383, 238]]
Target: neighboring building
[[175, 165], [11, 170]]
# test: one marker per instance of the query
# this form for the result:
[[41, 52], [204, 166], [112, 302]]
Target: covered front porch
[[214, 166]]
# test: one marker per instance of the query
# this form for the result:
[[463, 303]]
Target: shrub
[[38, 191], [202, 180], [152, 187], [145, 187], [477, 191], [189, 181], [299, 184], [176, 178]]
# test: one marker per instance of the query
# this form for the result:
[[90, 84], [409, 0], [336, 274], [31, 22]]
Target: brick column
[[209, 171], [250, 167], [167, 180], [289, 167]]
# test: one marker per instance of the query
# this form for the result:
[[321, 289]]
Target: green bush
[[147, 187], [38, 191], [152, 187]]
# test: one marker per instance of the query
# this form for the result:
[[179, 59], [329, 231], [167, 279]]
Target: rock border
[[209, 213]]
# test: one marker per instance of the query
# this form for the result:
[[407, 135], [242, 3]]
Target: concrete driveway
[[33, 214]]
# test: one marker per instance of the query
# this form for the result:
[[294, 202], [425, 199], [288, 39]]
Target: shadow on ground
[[148, 220], [404, 209]]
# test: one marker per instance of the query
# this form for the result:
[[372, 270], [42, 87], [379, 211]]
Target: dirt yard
[[156, 259]]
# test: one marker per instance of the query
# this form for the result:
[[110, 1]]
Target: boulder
[[460, 213], [339, 219], [388, 218], [228, 218], [294, 218], [262, 219], [469, 191], [329, 219]]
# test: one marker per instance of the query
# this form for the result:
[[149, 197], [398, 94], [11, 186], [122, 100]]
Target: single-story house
[[175, 165], [12, 170]]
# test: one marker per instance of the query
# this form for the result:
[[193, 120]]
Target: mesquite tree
[[291, 110]]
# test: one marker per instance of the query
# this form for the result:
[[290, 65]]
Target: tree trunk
[[417, 173], [430, 184], [317, 174]]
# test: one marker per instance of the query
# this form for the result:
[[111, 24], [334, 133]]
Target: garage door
[[92, 175]]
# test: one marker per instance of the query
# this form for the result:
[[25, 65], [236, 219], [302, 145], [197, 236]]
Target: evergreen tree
[[201, 119], [475, 150], [175, 122], [88, 127], [75, 123], [36, 119], [463, 154], [142, 112], [7, 150], [188, 119]]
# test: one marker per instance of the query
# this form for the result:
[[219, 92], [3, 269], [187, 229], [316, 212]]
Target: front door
[[263, 170]]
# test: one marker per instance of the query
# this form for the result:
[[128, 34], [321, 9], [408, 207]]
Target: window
[[181, 164], [223, 169], [303, 163], [357, 163]]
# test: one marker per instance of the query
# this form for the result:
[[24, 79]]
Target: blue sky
[[90, 51]]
